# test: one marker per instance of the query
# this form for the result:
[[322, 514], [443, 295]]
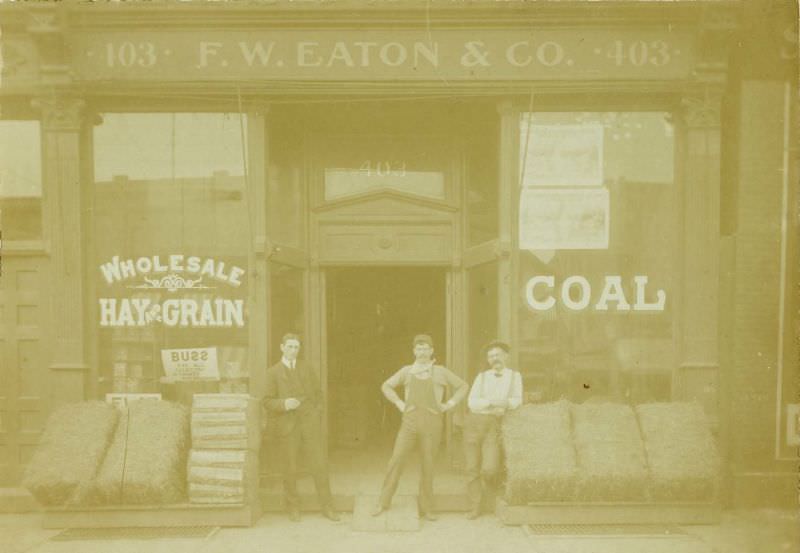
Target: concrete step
[[272, 501], [402, 517]]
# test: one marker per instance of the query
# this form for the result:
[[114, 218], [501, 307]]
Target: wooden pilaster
[[64, 228]]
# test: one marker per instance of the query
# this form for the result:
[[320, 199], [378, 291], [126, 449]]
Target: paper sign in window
[[560, 155], [553, 219]]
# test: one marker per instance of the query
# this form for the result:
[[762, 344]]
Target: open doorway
[[373, 314]]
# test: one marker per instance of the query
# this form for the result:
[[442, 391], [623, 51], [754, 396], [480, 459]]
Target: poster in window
[[564, 219], [561, 155], [188, 364]]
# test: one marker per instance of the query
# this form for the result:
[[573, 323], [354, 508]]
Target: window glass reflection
[[170, 198], [597, 212], [20, 180]]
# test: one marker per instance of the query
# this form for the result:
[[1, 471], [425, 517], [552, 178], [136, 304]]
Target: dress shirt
[[442, 379], [492, 385], [290, 366]]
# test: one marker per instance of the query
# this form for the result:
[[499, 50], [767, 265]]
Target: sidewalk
[[761, 531]]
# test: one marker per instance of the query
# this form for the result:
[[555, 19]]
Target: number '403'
[[383, 168], [639, 53], [128, 54]]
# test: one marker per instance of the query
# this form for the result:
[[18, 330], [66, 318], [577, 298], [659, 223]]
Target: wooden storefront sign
[[658, 53]]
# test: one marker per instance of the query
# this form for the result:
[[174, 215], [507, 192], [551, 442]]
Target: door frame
[[318, 331]]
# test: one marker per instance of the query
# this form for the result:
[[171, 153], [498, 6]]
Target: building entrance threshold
[[360, 472]]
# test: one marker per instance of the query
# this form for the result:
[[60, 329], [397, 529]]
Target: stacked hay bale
[[146, 462], [73, 446], [225, 439], [540, 457], [610, 453], [682, 455], [217, 475]]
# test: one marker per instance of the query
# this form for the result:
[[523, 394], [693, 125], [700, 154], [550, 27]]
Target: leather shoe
[[430, 516], [473, 514], [294, 515], [330, 514], [377, 510]]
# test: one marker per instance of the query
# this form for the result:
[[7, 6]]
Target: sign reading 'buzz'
[[368, 55]]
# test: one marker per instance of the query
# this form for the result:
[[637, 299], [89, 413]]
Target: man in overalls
[[493, 393], [425, 384]]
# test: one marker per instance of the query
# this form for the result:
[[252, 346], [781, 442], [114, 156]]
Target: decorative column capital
[[60, 113], [702, 109]]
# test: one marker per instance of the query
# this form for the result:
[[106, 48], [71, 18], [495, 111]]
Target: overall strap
[[510, 385]]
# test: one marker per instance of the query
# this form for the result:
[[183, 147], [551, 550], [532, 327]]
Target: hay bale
[[146, 463], [106, 487], [225, 421], [217, 476], [682, 456], [540, 457], [214, 403], [221, 476], [158, 441], [223, 458], [73, 445], [610, 453], [208, 493]]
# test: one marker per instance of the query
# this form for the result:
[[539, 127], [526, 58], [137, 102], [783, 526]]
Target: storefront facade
[[574, 179]]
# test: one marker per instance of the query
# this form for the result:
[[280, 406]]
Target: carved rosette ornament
[[60, 113], [703, 110]]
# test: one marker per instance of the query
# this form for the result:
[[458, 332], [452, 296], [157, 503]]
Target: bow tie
[[498, 374]]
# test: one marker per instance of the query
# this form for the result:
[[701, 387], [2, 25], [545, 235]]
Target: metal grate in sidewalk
[[155, 533], [567, 530]]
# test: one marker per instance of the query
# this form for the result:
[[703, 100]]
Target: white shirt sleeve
[[475, 401], [516, 391]]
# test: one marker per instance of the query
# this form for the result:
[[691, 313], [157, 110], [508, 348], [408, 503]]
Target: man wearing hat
[[493, 393], [425, 384]]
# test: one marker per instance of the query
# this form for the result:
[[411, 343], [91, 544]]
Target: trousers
[[482, 454], [422, 427], [306, 439]]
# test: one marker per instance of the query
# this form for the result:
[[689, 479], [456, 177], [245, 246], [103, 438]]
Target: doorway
[[373, 314]]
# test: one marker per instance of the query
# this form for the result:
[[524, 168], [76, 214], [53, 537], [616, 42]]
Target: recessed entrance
[[373, 314]]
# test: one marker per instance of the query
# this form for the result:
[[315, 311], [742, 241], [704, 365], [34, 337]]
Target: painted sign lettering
[[576, 294], [171, 273], [348, 54]]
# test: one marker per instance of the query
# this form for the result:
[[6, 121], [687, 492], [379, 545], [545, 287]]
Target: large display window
[[20, 180], [171, 238], [598, 225]]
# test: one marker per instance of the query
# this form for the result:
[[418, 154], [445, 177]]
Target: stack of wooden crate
[[223, 462]]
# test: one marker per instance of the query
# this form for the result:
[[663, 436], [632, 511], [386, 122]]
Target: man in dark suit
[[293, 400]]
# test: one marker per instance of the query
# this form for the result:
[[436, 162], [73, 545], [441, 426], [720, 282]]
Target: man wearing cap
[[425, 384], [293, 399], [493, 393]]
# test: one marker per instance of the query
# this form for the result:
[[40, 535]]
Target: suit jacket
[[282, 384]]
